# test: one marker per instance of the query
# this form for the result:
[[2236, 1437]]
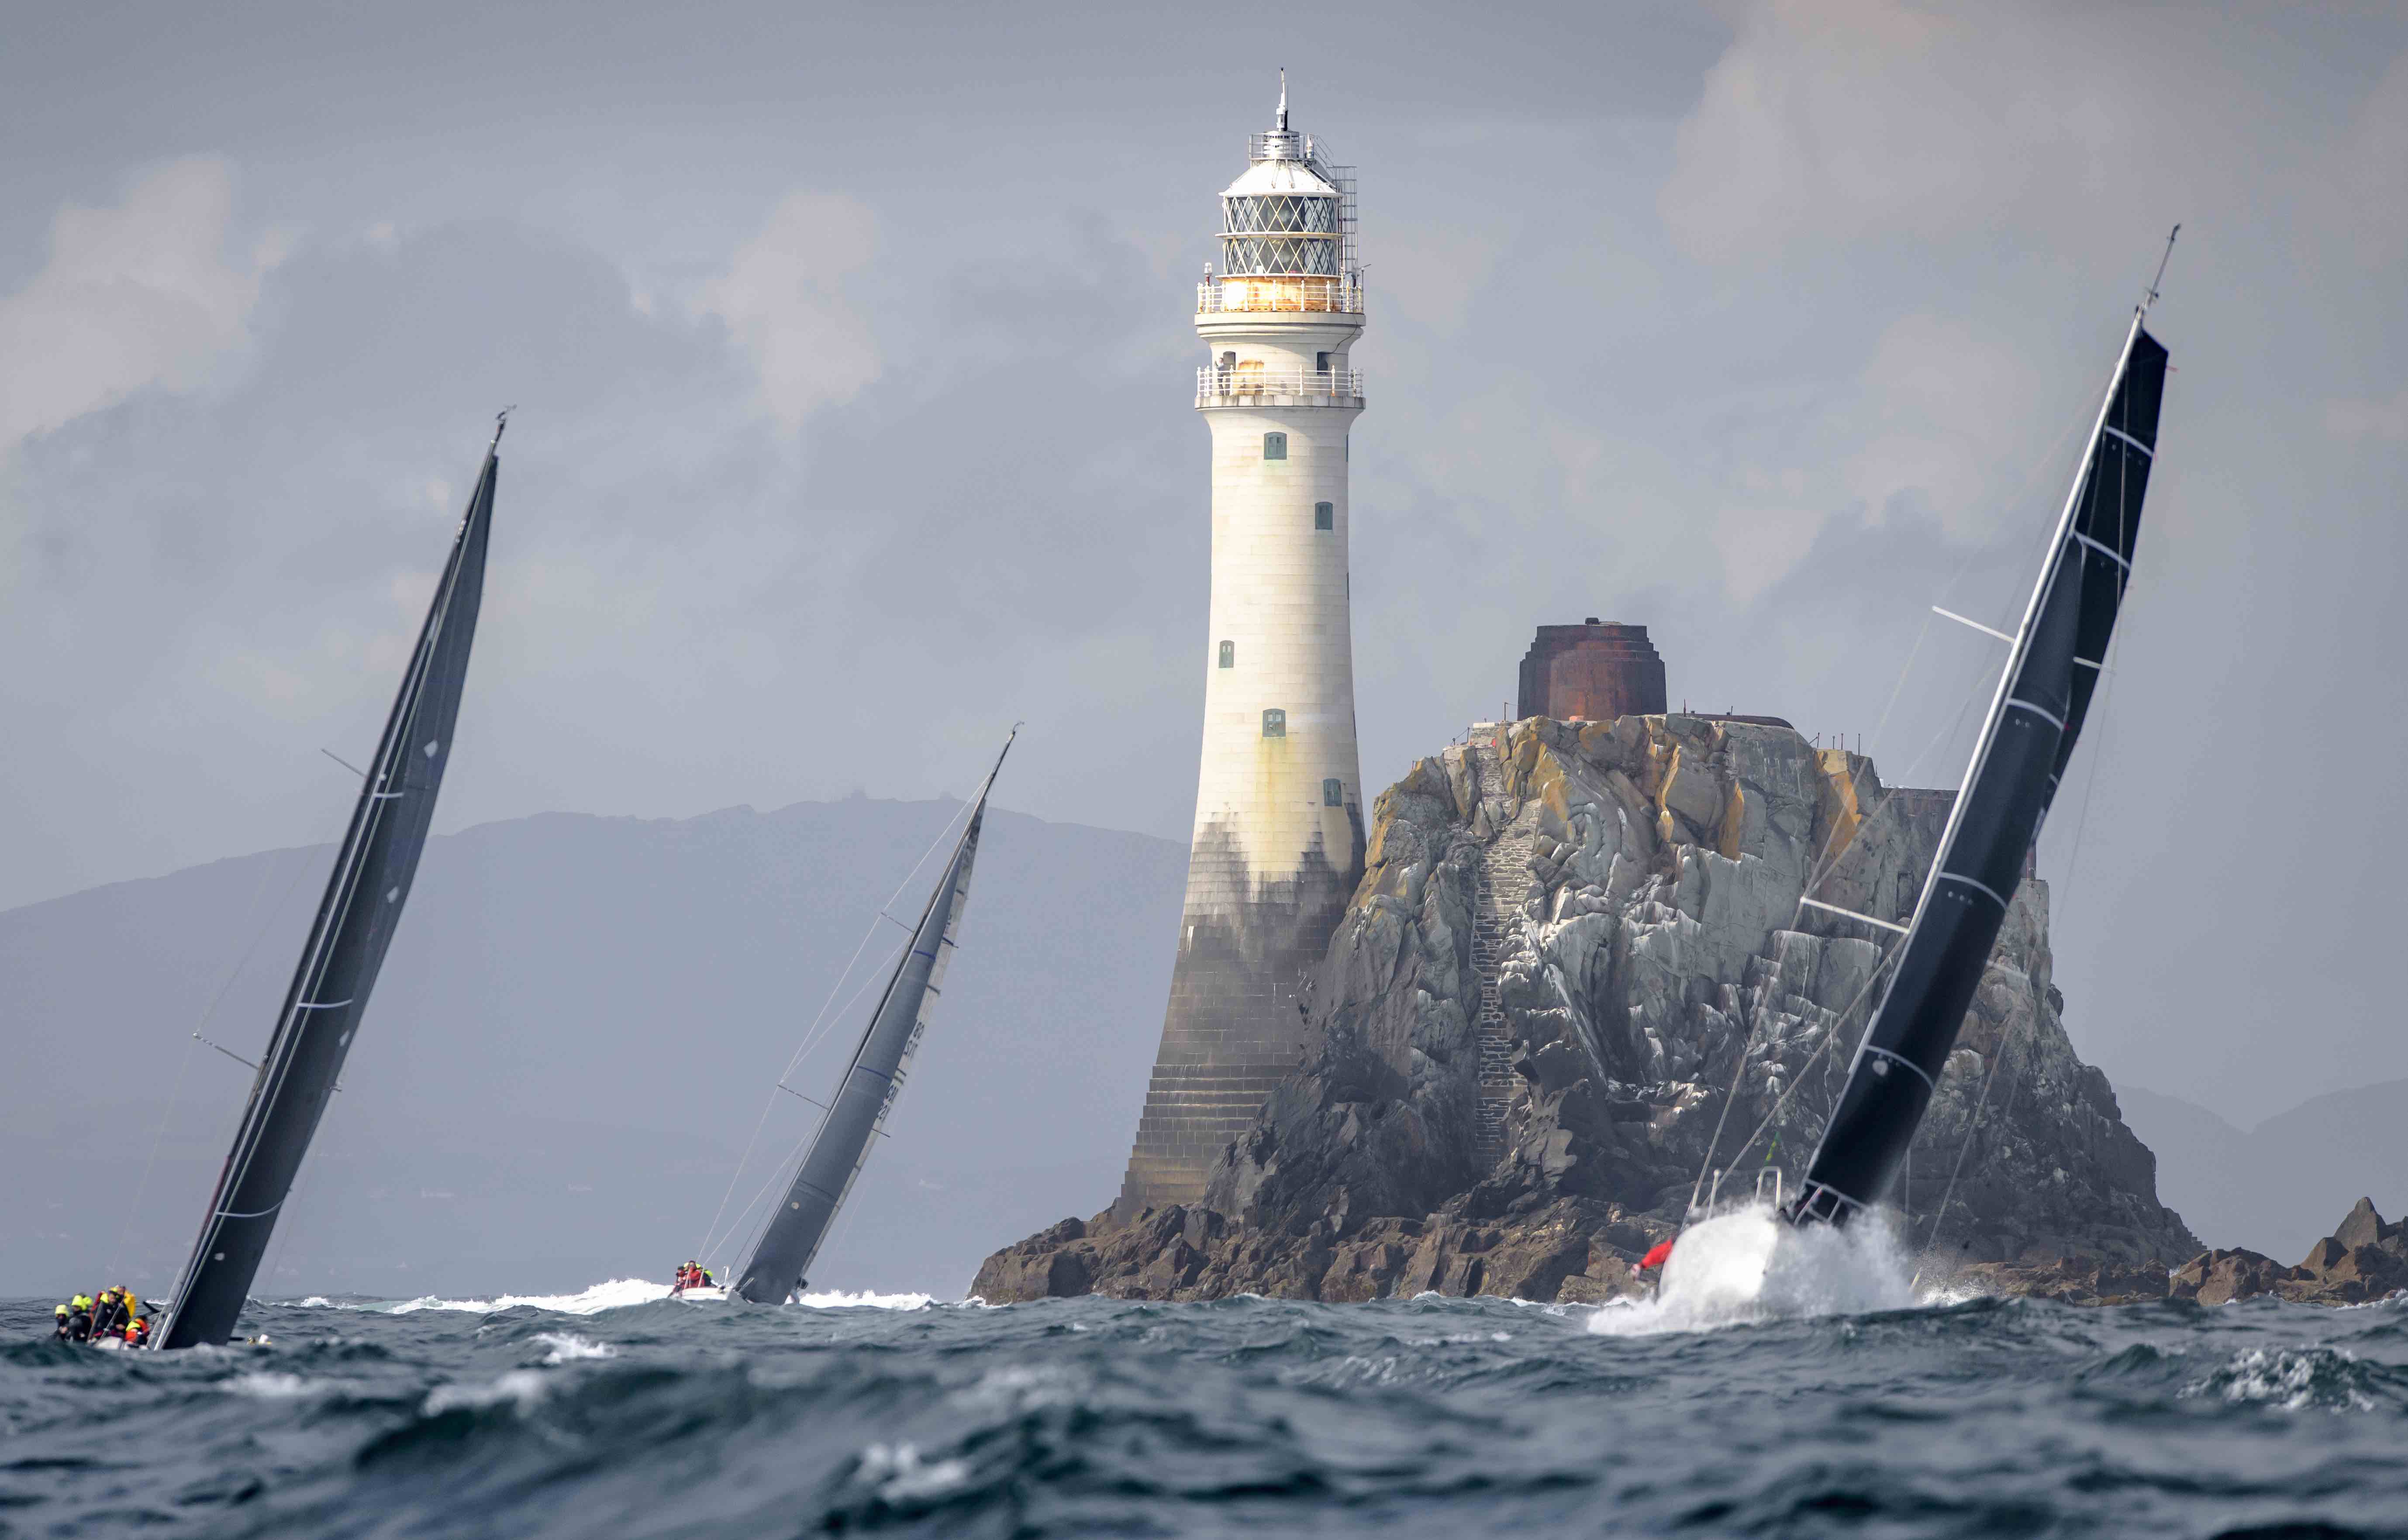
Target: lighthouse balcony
[[1304, 295], [1243, 387]]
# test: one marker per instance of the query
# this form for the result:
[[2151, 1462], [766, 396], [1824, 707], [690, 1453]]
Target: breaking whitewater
[[1779, 1391]]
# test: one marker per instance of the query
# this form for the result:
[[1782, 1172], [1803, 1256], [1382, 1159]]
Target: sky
[[851, 355]]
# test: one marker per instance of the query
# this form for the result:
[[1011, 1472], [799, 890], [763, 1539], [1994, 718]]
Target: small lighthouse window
[[1325, 515], [1275, 446], [1333, 792], [1274, 723], [1228, 654]]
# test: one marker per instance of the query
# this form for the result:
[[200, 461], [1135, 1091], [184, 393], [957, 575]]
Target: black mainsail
[[347, 945], [2035, 717], [872, 1080]]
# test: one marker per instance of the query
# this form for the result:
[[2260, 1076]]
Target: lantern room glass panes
[[1280, 214], [1280, 235], [1275, 446], [1274, 723], [1333, 792], [1325, 515]]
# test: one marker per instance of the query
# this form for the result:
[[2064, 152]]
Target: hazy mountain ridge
[[574, 1035], [2275, 1188]]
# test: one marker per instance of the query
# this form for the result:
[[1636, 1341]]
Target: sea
[[616, 1411]]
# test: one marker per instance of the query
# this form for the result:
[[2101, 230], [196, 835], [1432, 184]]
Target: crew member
[[137, 1331], [61, 1314]]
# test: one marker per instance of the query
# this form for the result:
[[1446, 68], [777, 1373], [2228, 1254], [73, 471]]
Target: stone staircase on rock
[[1503, 877]]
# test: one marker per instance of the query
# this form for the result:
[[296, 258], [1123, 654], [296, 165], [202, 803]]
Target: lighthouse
[[1277, 845]]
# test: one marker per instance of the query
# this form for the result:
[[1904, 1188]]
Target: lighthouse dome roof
[[1293, 178]]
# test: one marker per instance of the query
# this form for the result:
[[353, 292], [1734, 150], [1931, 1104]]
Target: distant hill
[[2278, 1187], [577, 1030]]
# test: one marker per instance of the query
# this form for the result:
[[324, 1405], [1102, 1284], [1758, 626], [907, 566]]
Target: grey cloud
[[1577, 407], [138, 294]]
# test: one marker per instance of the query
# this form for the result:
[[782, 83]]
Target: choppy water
[[618, 1413]]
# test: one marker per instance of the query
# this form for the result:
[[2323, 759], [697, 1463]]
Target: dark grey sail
[[872, 1080], [2026, 741], [347, 943]]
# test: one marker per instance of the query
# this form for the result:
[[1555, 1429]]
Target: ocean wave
[[520, 1387], [898, 1474], [2293, 1379], [272, 1386], [616, 1294], [567, 1347], [865, 1299], [1271, 1416]]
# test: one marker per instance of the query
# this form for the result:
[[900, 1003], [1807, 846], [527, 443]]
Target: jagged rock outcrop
[[1576, 963], [2363, 1259]]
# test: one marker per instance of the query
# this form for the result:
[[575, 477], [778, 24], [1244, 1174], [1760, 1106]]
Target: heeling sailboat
[[2035, 717], [355, 922], [873, 1078]]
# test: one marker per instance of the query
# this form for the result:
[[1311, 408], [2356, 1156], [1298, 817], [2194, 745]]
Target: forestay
[[356, 921], [2034, 720]]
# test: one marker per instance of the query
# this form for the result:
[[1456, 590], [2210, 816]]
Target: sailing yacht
[[2053, 664], [791, 1238], [363, 904]]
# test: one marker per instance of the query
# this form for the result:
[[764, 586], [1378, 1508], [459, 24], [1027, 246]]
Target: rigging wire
[[1840, 1021], [1973, 1126], [2102, 699], [819, 1025], [209, 1014], [954, 882], [713, 1237], [799, 1154], [1836, 849]]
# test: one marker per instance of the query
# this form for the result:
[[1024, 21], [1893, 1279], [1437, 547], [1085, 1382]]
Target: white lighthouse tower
[[1279, 824]]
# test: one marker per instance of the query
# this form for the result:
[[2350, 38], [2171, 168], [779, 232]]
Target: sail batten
[[374, 868], [2035, 719], [855, 1117]]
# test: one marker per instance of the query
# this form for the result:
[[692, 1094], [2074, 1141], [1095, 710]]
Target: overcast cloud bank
[[852, 353]]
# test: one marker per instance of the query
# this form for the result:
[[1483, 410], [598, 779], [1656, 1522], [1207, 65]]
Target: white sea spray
[[2291, 1379], [1749, 1265], [615, 1294], [567, 1347], [899, 1474], [522, 1387], [1019, 1388], [865, 1299], [273, 1385]]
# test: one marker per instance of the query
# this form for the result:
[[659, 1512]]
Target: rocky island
[[1576, 964]]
